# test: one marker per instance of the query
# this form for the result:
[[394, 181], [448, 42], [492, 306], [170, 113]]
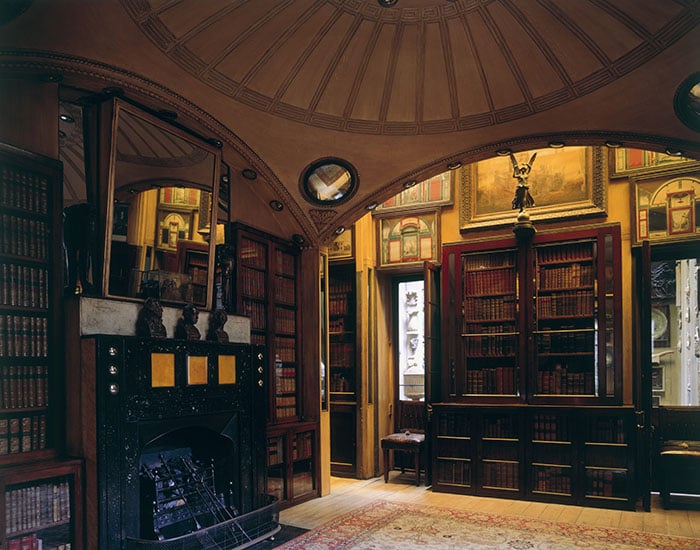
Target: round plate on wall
[[659, 323]]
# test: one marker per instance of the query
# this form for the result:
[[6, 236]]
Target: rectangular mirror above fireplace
[[158, 234]]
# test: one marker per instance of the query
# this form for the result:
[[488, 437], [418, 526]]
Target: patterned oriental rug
[[384, 525]]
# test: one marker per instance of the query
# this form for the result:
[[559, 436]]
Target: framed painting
[[666, 209], [409, 240], [569, 182], [185, 198], [173, 226], [342, 247], [435, 191], [630, 162]]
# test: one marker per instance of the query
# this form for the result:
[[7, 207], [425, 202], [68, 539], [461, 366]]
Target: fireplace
[[173, 437]]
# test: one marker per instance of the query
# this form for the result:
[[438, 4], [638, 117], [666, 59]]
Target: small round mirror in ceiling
[[687, 102], [329, 181]]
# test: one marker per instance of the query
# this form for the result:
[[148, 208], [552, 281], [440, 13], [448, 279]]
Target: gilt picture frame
[[566, 183], [408, 240]]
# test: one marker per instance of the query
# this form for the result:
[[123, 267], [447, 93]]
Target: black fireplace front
[[178, 444]]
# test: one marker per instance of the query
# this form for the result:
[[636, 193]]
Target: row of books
[[285, 320], [285, 380], [566, 342], [285, 290], [24, 336], [501, 475], [550, 427], [454, 447], [33, 542], [275, 487], [285, 348], [253, 254], [302, 446], [285, 407], [562, 382], [275, 451], [580, 302], [285, 263], [339, 286], [23, 190], [252, 283], [500, 426], [453, 472], [454, 425], [498, 380], [339, 383], [497, 281], [256, 312], [570, 276], [24, 237], [483, 309], [24, 386], [481, 328], [570, 252], [490, 346], [338, 324], [473, 262], [24, 286], [552, 479], [342, 354], [22, 434], [608, 430], [38, 506], [338, 304], [606, 483]]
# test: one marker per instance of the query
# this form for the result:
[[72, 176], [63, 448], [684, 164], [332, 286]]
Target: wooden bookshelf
[[42, 505], [343, 367], [291, 463], [30, 293]]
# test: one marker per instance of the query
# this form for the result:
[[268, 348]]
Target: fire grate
[[237, 533]]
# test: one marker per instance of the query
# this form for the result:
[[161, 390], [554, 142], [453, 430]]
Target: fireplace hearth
[[172, 433]]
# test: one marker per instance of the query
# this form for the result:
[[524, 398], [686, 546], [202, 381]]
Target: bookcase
[[537, 323], [41, 506], [342, 367], [569, 455], [266, 290], [531, 375], [291, 466], [30, 288]]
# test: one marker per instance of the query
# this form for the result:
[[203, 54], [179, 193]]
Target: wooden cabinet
[[570, 455], [266, 290], [41, 505], [343, 369], [30, 292], [291, 463], [532, 371], [535, 323]]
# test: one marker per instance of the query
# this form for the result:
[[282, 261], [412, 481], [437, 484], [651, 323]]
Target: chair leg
[[417, 460], [386, 465]]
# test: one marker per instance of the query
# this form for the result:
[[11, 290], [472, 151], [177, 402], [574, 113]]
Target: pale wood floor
[[348, 494]]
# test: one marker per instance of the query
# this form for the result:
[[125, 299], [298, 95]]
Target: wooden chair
[[409, 439]]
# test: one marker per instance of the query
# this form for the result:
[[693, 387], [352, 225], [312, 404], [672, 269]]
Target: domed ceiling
[[418, 67]]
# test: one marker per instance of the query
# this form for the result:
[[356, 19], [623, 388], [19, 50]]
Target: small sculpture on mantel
[[217, 322], [149, 323], [186, 329]]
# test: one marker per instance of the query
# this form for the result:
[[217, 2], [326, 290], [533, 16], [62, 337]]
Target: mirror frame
[[110, 111]]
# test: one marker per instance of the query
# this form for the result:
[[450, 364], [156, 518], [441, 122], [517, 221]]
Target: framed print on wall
[[409, 240], [342, 247], [666, 209], [630, 162], [435, 191], [569, 182]]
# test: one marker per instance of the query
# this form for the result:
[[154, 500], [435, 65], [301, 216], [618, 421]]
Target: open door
[[431, 276], [642, 369]]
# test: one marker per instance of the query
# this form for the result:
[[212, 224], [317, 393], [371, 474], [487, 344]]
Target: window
[[410, 339]]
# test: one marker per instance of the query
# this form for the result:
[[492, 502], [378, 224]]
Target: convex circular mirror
[[329, 181]]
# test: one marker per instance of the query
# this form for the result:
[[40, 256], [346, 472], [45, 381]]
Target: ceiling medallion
[[249, 174]]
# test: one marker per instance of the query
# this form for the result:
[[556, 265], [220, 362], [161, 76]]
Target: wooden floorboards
[[347, 494]]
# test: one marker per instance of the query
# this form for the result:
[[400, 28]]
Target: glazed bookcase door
[[576, 320]]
